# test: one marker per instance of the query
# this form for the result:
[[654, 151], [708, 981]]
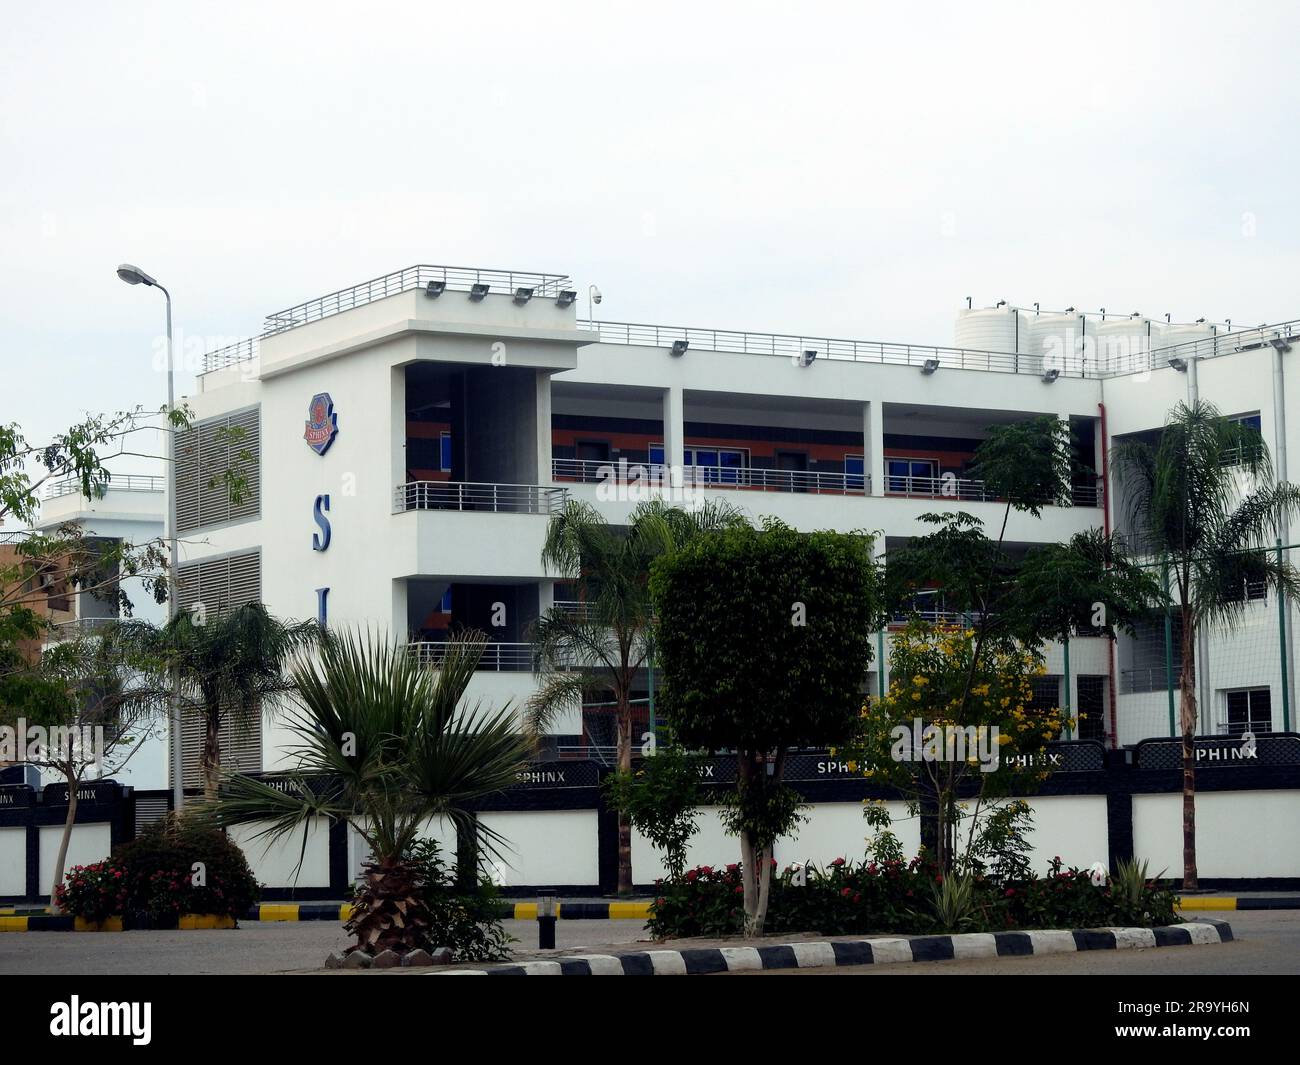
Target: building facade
[[404, 442]]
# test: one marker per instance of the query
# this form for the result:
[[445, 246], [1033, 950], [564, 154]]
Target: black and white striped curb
[[701, 960]]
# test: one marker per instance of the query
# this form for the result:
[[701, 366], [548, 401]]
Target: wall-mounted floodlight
[[434, 289], [1178, 364], [679, 348], [478, 290], [566, 298], [1050, 375], [523, 295], [929, 366], [808, 357], [1280, 345]]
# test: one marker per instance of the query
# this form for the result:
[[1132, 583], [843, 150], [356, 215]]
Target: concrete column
[[543, 428], [674, 427], [873, 446], [397, 430]]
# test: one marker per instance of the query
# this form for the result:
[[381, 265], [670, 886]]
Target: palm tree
[[600, 648], [383, 745], [1203, 499], [227, 668]]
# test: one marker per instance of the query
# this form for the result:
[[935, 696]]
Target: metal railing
[[478, 496], [595, 471], [128, 482], [457, 278], [66, 630], [1212, 347], [969, 489], [792, 347], [497, 657]]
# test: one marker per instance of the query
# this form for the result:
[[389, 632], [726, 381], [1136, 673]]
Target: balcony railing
[[969, 489], [128, 482], [497, 657], [594, 471], [478, 496]]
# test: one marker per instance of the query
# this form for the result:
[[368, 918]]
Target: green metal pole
[[1281, 638], [650, 674], [880, 662], [1068, 716], [1169, 648]]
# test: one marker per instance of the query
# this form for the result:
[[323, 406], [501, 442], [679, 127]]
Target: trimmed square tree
[[764, 642]]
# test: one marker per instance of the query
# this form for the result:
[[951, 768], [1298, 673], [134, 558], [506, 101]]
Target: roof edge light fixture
[[1050, 375], [1281, 345], [566, 297], [1178, 364], [929, 366], [808, 357], [434, 289], [523, 294], [679, 348], [478, 290]]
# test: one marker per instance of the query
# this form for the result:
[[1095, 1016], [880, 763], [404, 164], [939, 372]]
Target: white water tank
[[1056, 338], [988, 329], [1119, 345]]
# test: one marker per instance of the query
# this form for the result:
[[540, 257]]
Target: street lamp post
[[133, 275]]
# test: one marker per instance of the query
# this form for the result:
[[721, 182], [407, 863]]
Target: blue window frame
[[908, 475], [854, 474], [445, 453], [444, 605], [656, 454]]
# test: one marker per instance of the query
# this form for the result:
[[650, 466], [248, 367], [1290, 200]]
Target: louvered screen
[[221, 585], [208, 451]]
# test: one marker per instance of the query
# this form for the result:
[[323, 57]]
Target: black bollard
[[547, 911]]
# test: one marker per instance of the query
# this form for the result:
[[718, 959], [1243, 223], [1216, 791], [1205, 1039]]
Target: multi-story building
[[405, 440]]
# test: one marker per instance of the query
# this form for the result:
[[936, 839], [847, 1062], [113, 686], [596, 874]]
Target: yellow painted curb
[[345, 912], [13, 924], [205, 920], [1208, 902], [629, 910], [109, 924], [271, 912], [525, 911]]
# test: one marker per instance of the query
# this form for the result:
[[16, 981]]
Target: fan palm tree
[[600, 648], [227, 668], [1204, 500], [382, 743]]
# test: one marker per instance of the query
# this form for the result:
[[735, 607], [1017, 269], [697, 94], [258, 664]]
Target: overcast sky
[[836, 170]]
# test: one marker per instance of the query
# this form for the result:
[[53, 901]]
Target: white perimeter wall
[[1238, 833]]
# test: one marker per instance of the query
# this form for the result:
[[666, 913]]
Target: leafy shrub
[[153, 877], [466, 921], [912, 898]]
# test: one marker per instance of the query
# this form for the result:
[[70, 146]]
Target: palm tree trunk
[[1187, 708], [624, 766], [61, 859], [211, 754]]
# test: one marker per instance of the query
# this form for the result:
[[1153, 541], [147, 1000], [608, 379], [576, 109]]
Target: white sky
[[828, 169]]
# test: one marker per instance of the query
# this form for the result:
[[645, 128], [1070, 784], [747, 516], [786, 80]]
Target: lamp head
[[133, 275]]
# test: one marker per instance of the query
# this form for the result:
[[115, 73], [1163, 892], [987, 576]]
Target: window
[[720, 465], [1249, 710], [444, 604], [207, 452], [656, 454], [911, 475], [1250, 421], [444, 442], [854, 475], [1092, 708]]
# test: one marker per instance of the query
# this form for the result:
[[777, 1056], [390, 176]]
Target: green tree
[[1204, 498], [660, 799], [384, 744], [764, 638], [599, 649], [229, 666]]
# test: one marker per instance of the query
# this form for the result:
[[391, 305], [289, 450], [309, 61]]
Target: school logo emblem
[[322, 423]]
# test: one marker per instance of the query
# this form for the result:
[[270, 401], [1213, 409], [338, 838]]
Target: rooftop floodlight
[[566, 298], [929, 366], [1281, 344], [133, 275], [1050, 375], [1178, 364], [434, 289], [679, 348], [523, 295], [808, 357], [478, 290]]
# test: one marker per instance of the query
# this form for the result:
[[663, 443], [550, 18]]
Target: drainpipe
[[1283, 526], [1105, 504]]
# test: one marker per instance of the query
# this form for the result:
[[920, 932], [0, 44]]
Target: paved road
[[1268, 942]]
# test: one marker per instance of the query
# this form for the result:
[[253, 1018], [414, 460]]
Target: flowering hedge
[[153, 877], [852, 898]]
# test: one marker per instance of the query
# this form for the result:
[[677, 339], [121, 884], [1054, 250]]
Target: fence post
[[1067, 717], [1169, 646], [1281, 639]]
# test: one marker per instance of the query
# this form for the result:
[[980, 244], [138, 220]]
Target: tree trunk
[[61, 859], [211, 755], [1187, 707], [624, 766]]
